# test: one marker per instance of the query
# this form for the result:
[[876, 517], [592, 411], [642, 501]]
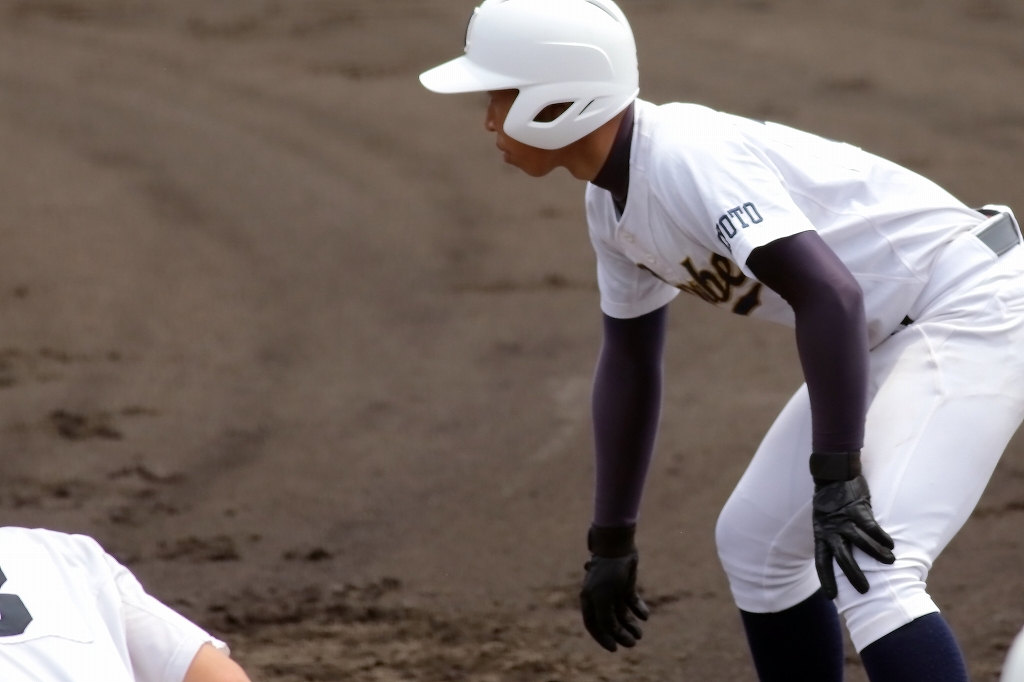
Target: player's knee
[[743, 547], [739, 555], [729, 537], [897, 594]]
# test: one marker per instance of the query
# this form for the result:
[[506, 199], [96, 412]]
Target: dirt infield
[[281, 331]]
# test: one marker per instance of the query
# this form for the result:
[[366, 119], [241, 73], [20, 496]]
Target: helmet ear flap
[[589, 108]]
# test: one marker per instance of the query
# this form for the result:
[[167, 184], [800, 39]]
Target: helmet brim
[[462, 75]]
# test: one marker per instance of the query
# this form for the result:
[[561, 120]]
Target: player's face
[[531, 160]]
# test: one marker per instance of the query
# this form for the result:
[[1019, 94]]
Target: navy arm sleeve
[[831, 333], [626, 408]]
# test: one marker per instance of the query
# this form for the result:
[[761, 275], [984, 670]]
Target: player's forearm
[[626, 408], [836, 371], [210, 665], [831, 333]]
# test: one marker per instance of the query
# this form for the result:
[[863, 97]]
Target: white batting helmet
[[575, 52]]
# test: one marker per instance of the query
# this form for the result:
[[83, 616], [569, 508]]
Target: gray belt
[[1000, 232]]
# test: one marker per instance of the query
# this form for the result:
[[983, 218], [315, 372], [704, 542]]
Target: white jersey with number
[[706, 188], [70, 612]]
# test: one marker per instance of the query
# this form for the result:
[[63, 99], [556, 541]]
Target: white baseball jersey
[[706, 188], [70, 612]]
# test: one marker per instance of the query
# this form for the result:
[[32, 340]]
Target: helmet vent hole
[[551, 112], [587, 107]]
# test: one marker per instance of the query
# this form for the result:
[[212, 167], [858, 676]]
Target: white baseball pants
[[947, 394]]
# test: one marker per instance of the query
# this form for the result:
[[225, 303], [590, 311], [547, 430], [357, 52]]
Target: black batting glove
[[842, 518], [609, 599]]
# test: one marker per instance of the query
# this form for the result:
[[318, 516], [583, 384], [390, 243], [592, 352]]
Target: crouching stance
[[908, 311]]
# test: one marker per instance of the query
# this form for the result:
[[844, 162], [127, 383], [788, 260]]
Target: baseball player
[[69, 612], [908, 310]]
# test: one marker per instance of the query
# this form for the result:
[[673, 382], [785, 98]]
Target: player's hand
[[609, 599], [842, 517]]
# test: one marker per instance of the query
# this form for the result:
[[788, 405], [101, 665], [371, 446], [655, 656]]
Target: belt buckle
[[1000, 232]]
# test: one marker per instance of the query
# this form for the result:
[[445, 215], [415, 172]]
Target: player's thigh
[[949, 395], [764, 532]]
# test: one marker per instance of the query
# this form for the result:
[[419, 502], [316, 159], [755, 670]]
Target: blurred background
[[279, 328]]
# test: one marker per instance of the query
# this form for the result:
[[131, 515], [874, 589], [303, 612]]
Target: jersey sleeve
[[724, 189], [627, 290], [161, 642]]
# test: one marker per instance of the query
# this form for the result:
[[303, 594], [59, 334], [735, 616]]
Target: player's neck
[[585, 158], [614, 174]]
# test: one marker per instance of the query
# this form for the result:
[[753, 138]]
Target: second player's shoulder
[[26, 548]]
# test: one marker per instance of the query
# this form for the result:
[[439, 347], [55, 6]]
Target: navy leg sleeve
[[923, 650], [801, 644]]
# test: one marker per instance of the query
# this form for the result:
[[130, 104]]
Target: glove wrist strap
[[611, 541], [827, 466]]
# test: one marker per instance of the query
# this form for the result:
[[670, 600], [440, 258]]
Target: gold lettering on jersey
[[715, 288], [718, 284]]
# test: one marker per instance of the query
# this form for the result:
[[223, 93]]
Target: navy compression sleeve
[[626, 408], [831, 333]]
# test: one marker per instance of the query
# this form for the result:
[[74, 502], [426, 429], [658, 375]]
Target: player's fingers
[[627, 622], [608, 621], [593, 625], [869, 546], [879, 535], [825, 568], [638, 606], [845, 560], [865, 521]]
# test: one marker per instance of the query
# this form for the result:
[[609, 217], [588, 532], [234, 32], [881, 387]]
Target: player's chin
[[534, 172], [535, 168], [534, 165]]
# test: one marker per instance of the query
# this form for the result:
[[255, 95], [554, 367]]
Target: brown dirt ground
[[282, 332]]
